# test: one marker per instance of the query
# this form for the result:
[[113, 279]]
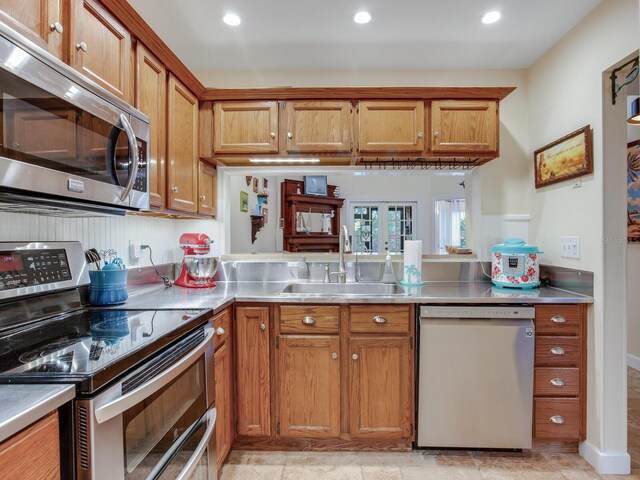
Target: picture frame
[[633, 192], [265, 215], [255, 184], [244, 201], [315, 185], [568, 157]]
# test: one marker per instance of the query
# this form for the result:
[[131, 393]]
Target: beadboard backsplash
[[161, 234]]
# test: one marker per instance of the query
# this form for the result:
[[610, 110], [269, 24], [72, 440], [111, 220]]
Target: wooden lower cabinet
[[225, 425], [34, 453], [381, 387], [308, 372]]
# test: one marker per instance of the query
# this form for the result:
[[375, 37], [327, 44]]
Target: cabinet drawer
[[558, 351], [381, 319], [558, 319], [309, 319], [557, 418], [557, 382], [222, 326]]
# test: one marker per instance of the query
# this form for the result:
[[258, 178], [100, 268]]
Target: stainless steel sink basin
[[343, 289]]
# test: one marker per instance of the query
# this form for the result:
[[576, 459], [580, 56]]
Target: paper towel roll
[[412, 272]]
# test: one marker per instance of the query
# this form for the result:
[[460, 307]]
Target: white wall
[[110, 232], [565, 93]]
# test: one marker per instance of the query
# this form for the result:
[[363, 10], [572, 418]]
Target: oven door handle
[[133, 155], [192, 463], [123, 403]]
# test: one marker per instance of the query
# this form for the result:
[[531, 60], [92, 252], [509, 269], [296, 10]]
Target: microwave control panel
[[28, 268]]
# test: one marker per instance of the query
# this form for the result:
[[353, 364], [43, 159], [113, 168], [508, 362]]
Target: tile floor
[[429, 464]]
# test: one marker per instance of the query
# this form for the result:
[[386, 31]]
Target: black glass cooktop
[[91, 347]]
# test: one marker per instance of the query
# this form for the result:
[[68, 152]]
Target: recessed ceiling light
[[231, 19], [491, 17], [362, 17]]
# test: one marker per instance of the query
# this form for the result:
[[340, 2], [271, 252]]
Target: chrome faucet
[[344, 247]]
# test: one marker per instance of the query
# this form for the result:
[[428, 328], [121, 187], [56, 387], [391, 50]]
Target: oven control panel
[[29, 268]]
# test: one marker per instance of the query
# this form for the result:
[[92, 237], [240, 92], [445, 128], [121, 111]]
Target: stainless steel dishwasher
[[475, 378]]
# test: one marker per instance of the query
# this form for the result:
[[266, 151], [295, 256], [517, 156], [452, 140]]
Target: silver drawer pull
[[354, 356], [557, 351], [263, 327], [558, 319], [557, 419], [308, 321], [379, 319], [219, 331], [557, 382], [334, 355]]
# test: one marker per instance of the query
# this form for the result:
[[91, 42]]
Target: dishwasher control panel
[[439, 311]]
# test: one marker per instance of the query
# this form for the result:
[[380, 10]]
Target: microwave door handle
[[123, 403], [210, 418], [133, 155]]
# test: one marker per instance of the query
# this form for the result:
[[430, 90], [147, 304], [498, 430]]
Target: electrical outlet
[[570, 247], [135, 251]]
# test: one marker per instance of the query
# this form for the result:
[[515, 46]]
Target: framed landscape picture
[[569, 157], [633, 192], [244, 201]]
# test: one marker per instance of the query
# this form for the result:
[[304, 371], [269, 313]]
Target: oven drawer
[[380, 319], [222, 326], [309, 319], [558, 351], [558, 319], [557, 382], [557, 418]]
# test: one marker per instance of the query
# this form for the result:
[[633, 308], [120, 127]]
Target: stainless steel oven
[[64, 138]]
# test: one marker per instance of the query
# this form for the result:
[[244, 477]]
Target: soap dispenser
[[388, 276]]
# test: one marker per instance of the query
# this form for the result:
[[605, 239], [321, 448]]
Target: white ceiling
[[313, 35]]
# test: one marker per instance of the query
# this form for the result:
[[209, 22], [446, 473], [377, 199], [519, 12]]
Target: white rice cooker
[[515, 264]]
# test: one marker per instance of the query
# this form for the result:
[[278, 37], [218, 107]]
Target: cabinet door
[[464, 126], [253, 372], [381, 387], [222, 360], [151, 99], [207, 189], [41, 21], [182, 148], [309, 386], [101, 48], [391, 126], [318, 126], [245, 127]]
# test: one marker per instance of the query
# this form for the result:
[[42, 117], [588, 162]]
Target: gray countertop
[[431, 292], [22, 405]]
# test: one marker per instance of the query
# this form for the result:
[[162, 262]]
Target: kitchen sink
[[343, 289]]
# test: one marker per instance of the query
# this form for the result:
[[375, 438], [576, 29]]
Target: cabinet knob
[[219, 331], [557, 419], [263, 327], [379, 319], [56, 27], [203, 198], [420, 134], [308, 321], [334, 355], [273, 134], [174, 189], [557, 351], [558, 319], [557, 382], [82, 46], [290, 134], [354, 356], [436, 134]]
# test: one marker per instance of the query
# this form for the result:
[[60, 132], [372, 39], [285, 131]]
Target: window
[[450, 223], [378, 227]]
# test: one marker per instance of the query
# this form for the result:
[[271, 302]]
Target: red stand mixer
[[198, 267]]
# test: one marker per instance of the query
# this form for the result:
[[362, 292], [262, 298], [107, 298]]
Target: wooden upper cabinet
[[391, 126], [151, 99], [42, 21], [253, 388], [182, 148], [245, 127], [464, 126], [318, 126], [308, 369], [381, 387], [206, 189], [101, 48]]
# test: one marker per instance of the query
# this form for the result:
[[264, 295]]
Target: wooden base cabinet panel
[[308, 369], [253, 379], [225, 426], [381, 387], [34, 453]]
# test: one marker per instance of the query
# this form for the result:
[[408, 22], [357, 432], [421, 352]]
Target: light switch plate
[[570, 247]]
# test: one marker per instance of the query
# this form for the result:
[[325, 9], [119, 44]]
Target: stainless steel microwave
[[64, 140]]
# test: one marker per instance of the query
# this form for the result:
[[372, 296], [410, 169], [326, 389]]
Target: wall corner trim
[[606, 463]]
